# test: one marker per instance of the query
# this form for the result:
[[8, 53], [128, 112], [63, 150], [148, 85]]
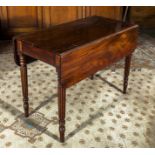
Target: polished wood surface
[[126, 72], [67, 36], [61, 110], [24, 81], [77, 50]]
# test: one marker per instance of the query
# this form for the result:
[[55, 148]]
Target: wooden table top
[[61, 38]]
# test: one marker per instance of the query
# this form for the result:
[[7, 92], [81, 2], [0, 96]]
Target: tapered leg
[[61, 108], [24, 81], [126, 72]]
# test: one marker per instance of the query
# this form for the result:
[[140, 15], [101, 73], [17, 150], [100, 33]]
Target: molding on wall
[[40, 16], [4, 16]]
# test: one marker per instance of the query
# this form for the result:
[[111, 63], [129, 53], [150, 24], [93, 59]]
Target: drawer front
[[84, 61]]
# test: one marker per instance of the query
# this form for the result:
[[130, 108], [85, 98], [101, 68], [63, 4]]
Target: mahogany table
[[77, 50]]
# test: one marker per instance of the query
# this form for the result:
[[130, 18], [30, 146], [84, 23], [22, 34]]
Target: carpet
[[97, 113]]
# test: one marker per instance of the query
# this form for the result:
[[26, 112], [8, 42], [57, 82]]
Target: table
[[77, 50]]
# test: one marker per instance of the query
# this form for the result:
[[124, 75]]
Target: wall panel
[[144, 16], [17, 19], [22, 16], [109, 12]]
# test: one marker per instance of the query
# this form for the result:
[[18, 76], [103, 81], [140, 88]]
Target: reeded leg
[[61, 108], [126, 72], [24, 81]]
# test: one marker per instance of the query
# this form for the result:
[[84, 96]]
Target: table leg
[[24, 82], [126, 72], [61, 108], [92, 77]]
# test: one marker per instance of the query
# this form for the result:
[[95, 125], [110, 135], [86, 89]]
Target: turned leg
[[126, 72], [61, 108], [92, 77], [24, 82]]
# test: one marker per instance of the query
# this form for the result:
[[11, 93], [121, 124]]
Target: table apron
[[37, 53]]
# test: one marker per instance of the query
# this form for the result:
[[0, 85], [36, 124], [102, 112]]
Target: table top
[[61, 38]]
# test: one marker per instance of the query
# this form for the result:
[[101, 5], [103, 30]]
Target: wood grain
[[93, 57]]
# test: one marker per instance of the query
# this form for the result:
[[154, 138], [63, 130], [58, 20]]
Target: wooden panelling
[[63, 14], [144, 16], [46, 16], [105, 11], [3, 16], [109, 12], [22, 16], [29, 18], [57, 15], [15, 19], [40, 16]]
